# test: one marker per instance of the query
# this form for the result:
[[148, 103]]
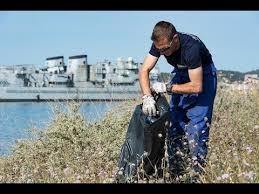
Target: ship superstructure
[[75, 80]]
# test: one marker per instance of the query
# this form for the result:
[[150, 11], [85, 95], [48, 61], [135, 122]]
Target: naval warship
[[76, 80]]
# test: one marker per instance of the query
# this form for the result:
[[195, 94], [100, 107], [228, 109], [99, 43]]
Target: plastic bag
[[144, 142]]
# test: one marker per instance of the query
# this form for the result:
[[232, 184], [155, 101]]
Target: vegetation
[[72, 150], [232, 76]]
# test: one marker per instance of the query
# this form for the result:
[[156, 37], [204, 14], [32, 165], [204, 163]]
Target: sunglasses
[[162, 50]]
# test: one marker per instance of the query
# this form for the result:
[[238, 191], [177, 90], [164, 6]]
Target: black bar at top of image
[[134, 5]]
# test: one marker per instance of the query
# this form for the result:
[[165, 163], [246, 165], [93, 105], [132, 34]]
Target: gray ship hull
[[118, 93]]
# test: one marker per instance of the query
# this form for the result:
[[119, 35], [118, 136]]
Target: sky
[[29, 37]]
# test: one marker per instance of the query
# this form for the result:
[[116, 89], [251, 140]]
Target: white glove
[[159, 87], [149, 107]]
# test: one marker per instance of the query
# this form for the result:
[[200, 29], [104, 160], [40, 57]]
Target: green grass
[[72, 150]]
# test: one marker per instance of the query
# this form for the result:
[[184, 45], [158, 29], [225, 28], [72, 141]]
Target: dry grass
[[71, 150], [234, 150]]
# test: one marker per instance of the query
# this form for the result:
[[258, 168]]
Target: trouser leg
[[197, 133], [198, 127], [176, 140]]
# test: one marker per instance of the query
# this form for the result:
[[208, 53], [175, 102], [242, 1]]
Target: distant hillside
[[231, 75], [222, 74], [235, 75], [253, 72]]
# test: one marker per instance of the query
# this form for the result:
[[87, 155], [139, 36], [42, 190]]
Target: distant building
[[251, 78], [222, 77]]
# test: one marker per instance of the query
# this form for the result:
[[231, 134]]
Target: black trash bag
[[144, 142]]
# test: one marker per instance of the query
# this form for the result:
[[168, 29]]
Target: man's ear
[[175, 38]]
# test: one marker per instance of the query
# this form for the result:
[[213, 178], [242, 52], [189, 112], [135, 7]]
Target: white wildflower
[[194, 158], [225, 176], [101, 153], [120, 172], [191, 141], [145, 153], [167, 175], [67, 171], [249, 149], [77, 181], [250, 175], [29, 181], [160, 181]]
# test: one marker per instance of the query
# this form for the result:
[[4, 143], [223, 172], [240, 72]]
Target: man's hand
[[159, 87], [149, 107]]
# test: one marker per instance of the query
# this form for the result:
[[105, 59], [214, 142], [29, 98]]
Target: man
[[192, 90]]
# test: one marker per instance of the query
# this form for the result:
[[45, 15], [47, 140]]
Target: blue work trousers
[[190, 117]]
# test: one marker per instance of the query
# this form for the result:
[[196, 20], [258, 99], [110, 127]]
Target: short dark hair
[[163, 29]]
